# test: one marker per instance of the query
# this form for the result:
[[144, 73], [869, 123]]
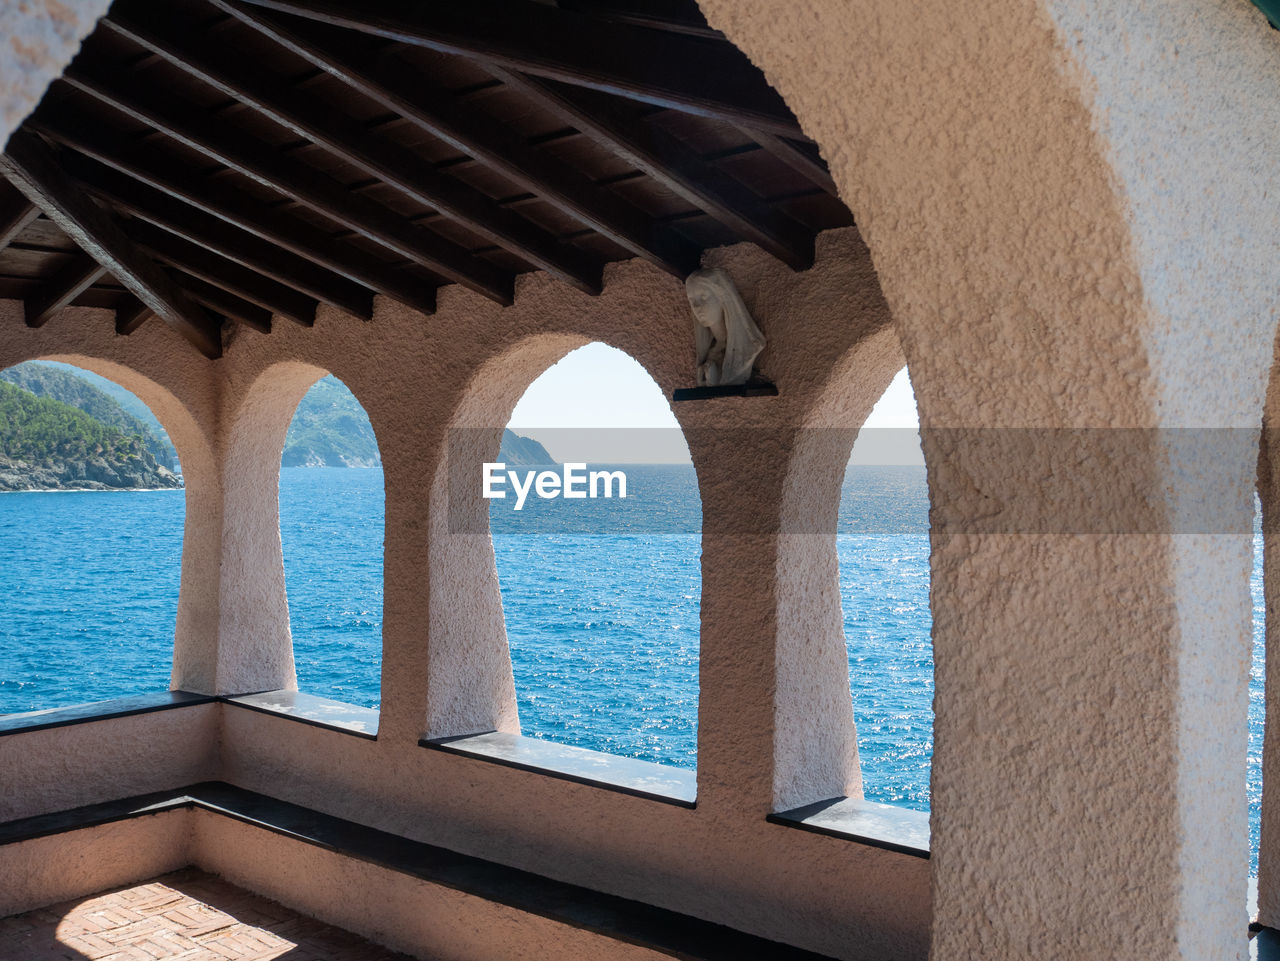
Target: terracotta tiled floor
[[185, 916]]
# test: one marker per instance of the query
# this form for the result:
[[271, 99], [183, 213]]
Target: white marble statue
[[727, 339]]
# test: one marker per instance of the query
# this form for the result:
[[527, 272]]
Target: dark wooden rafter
[[802, 158], [198, 160], [697, 75], [68, 284], [217, 236], [16, 211], [675, 165], [225, 303], [130, 317], [676, 16], [178, 42], [82, 131], [225, 143], [394, 85], [31, 166], [234, 278]]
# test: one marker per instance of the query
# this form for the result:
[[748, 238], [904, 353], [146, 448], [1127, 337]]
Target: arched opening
[[883, 544], [331, 531], [91, 532], [601, 595]]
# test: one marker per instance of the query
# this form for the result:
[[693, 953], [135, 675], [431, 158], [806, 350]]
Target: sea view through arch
[[603, 626]]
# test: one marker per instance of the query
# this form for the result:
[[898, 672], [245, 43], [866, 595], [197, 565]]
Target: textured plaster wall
[[160, 368], [38, 38], [1067, 214], [426, 920], [67, 767], [79, 863], [1064, 204], [775, 719], [775, 727]]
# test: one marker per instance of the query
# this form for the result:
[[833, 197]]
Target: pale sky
[[576, 407]]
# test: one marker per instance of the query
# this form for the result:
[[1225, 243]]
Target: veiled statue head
[[725, 336]]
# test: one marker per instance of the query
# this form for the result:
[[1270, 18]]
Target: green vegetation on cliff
[[48, 445], [97, 397]]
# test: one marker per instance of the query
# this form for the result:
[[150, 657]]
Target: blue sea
[[603, 626]]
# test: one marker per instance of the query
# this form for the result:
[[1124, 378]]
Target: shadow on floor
[[188, 914]]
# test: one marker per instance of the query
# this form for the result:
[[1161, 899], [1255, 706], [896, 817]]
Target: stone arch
[[332, 530], [197, 460], [815, 744], [1044, 271], [470, 686], [256, 646]]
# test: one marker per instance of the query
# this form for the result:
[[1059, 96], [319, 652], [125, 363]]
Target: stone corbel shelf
[[755, 388]]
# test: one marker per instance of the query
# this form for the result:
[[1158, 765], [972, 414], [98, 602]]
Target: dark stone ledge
[[1264, 944], [631, 922], [99, 711], [306, 708], [657, 782], [309, 709], [92, 815], [755, 388], [867, 822]]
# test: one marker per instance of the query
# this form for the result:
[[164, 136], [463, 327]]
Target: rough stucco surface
[[1064, 208], [38, 38], [66, 767], [78, 863], [775, 719], [158, 366], [762, 742], [423, 919]]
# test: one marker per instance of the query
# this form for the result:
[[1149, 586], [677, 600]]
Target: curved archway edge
[[1056, 254], [1000, 163]]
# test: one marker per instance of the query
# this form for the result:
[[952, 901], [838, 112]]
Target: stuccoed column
[[254, 649], [1062, 203], [775, 716]]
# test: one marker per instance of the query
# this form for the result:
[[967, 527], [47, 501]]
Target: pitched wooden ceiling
[[218, 162]]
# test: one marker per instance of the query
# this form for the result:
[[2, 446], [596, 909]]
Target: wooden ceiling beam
[[799, 158], [176, 40], [225, 143], [676, 16], [84, 132], [692, 74], [676, 166], [31, 166], [131, 316], [224, 302], [16, 212], [248, 285], [399, 88], [68, 284], [219, 237]]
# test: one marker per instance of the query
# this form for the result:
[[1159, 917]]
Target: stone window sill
[[309, 709], [866, 822], [656, 782], [99, 711], [306, 708]]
